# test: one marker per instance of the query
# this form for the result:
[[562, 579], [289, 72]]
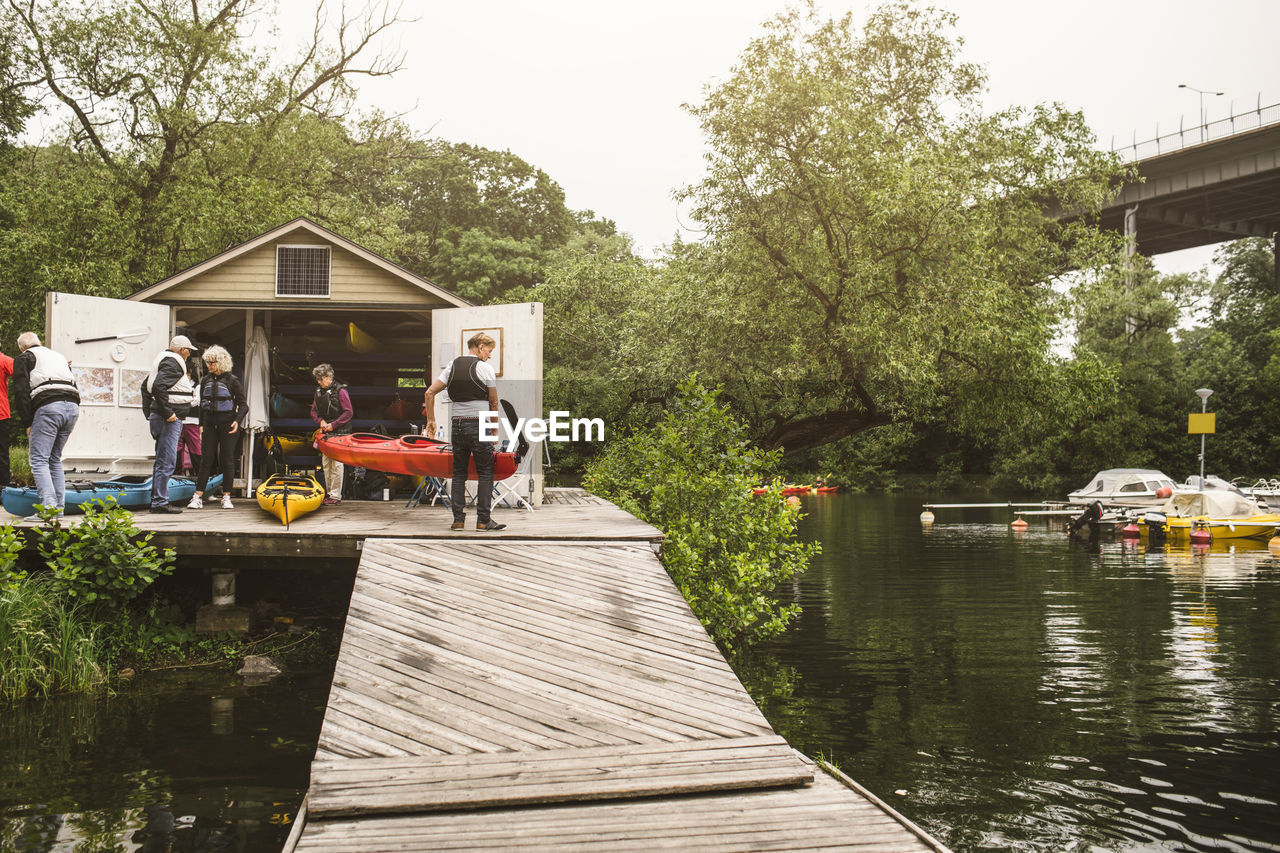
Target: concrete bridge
[[1201, 186]]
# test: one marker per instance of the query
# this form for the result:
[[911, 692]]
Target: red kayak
[[415, 455]]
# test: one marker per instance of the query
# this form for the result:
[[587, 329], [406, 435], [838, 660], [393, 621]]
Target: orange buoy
[[926, 517], [1018, 524], [1164, 492], [1274, 546], [1130, 531], [793, 501]]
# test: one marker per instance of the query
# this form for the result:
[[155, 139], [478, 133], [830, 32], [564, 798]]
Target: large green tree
[[877, 243], [175, 103]]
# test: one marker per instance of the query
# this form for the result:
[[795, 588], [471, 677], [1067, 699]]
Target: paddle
[[133, 336]]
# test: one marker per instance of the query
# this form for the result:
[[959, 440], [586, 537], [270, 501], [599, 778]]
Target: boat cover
[[1113, 480], [1214, 503]]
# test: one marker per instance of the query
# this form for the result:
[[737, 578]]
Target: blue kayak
[[129, 492]]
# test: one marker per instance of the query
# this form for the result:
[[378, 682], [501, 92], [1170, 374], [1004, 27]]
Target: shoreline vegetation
[[79, 611]]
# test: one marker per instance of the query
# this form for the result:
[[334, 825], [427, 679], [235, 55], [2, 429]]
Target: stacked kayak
[[290, 496], [414, 455], [129, 492]]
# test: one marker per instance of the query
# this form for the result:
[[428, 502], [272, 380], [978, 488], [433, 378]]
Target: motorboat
[[1126, 487], [290, 496], [414, 455], [1224, 513]]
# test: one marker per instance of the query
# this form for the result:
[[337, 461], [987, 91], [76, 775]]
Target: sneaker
[[226, 501], [167, 509], [490, 525], [34, 519], [332, 501], [196, 503], [457, 525]]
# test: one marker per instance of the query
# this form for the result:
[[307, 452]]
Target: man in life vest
[[167, 393], [331, 409], [44, 390], [473, 389]]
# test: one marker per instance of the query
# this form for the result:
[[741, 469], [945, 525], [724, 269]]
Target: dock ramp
[[555, 695]]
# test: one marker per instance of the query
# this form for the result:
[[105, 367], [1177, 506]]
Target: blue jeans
[[51, 426], [166, 435], [465, 435]]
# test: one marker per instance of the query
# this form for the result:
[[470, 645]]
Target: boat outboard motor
[[1091, 516], [1157, 527]]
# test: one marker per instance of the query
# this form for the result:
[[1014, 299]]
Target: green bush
[[11, 543], [47, 642], [691, 476], [104, 559]]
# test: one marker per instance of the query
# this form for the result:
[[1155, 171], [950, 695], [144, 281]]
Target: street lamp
[[1203, 394], [1203, 121]]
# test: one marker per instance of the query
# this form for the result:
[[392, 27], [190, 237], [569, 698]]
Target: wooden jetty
[[551, 694], [544, 687]]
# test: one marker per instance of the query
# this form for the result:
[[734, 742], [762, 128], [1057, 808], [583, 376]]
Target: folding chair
[[437, 488]]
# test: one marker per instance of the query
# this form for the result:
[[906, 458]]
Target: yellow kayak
[[290, 496], [358, 340], [289, 444]]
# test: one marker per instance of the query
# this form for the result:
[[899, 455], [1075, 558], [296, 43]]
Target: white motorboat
[[1126, 487]]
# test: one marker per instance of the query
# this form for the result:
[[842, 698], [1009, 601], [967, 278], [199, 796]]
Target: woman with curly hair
[[222, 407]]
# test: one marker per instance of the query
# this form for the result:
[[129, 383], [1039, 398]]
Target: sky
[[591, 91]]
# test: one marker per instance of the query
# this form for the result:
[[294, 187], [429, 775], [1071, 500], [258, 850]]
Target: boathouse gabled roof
[[386, 278]]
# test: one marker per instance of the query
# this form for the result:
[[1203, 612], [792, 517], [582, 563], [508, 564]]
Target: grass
[[19, 466], [48, 644]]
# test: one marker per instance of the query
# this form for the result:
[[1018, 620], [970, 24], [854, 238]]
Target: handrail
[[1199, 134]]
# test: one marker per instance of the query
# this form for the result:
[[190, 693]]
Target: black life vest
[[329, 406], [215, 395], [465, 385]]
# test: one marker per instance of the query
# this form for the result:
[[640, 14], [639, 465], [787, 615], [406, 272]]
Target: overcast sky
[[590, 91]]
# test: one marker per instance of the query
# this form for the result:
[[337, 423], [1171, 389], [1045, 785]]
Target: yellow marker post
[[1202, 424]]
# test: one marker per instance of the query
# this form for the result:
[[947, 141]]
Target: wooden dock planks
[[824, 816], [419, 784], [555, 695], [455, 647]]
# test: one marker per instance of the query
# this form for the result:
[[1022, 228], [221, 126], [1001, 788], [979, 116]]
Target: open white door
[[111, 344], [517, 360]]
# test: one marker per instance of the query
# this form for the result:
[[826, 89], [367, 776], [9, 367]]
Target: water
[[1004, 690], [192, 761], [1023, 691]]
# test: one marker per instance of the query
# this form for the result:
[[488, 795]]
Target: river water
[[1004, 690], [1025, 691]]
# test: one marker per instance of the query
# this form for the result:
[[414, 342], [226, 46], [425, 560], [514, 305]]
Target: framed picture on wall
[[97, 385], [131, 387], [495, 332]]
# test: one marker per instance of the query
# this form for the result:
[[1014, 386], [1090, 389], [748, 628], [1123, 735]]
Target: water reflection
[[1023, 690], [183, 762]]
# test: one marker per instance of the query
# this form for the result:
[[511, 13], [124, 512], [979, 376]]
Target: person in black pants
[[222, 408]]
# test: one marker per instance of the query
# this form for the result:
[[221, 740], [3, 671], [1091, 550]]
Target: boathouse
[[317, 297]]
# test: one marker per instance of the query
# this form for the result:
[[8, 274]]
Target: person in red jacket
[[6, 370]]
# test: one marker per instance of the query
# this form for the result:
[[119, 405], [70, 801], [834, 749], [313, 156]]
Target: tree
[[691, 475], [151, 87], [15, 106], [878, 246]]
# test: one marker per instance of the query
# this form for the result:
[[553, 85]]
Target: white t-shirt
[[471, 408]]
